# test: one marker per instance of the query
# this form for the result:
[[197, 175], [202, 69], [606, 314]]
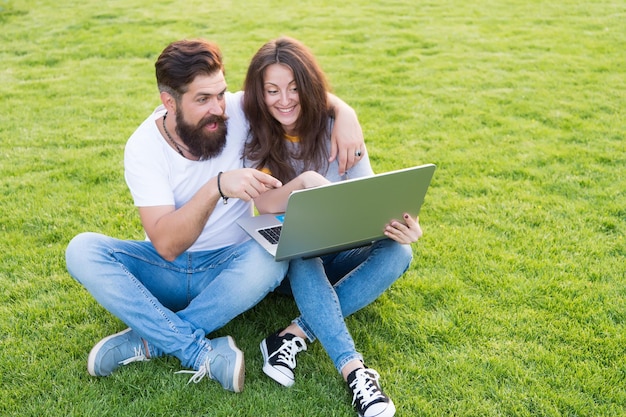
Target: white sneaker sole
[[390, 411], [239, 369]]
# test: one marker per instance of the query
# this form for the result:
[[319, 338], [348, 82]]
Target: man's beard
[[201, 143]]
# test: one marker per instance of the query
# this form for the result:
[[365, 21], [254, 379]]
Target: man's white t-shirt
[[157, 175]]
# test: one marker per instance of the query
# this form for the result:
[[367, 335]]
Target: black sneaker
[[368, 399], [279, 356]]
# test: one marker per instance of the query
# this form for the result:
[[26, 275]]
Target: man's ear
[[169, 102]]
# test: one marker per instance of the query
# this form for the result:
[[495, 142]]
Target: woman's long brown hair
[[267, 145]]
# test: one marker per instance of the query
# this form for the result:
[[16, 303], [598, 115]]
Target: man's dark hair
[[182, 61]]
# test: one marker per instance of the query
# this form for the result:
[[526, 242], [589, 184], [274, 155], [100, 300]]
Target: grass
[[515, 304]]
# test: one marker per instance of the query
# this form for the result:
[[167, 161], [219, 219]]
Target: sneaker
[[116, 350], [279, 356], [368, 399], [224, 363]]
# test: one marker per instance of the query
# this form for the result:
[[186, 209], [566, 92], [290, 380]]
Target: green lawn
[[515, 304]]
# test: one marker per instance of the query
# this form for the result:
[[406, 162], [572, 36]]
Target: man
[[197, 269]]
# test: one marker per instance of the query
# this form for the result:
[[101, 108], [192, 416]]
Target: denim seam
[[146, 294]]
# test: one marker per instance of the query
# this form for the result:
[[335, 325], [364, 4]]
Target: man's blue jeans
[[173, 305], [329, 288]]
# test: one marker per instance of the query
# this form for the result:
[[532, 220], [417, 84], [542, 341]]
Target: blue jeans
[[329, 288], [173, 305]]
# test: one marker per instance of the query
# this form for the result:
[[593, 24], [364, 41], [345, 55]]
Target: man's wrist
[[219, 188]]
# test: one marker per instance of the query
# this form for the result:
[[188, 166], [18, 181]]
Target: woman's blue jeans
[[173, 305], [329, 288]]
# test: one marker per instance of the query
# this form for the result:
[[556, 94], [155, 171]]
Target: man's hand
[[246, 183], [172, 231]]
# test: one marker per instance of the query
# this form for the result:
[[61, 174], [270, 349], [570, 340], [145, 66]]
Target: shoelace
[[140, 356], [365, 387], [288, 351], [203, 370], [197, 376]]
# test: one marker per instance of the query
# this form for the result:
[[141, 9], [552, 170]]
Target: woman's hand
[[275, 200], [311, 179], [405, 233]]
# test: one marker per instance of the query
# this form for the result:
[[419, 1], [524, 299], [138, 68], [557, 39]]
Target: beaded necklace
[[172, 141]]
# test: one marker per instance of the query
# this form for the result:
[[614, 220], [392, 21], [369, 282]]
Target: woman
[[286, 104]]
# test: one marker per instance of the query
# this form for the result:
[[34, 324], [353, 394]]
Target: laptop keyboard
[[272, 234]]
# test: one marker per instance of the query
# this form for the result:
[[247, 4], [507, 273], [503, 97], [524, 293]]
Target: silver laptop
[[342, 215]]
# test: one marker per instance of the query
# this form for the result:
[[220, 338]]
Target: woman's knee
[[402, 255]]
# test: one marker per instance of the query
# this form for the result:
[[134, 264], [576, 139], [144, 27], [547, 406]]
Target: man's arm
[[347, 136], [173, 231]]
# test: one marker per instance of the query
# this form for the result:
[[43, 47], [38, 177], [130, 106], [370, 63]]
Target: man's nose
[[215, 107]]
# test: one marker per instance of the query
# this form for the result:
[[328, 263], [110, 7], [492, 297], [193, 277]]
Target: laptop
[[340, 216]]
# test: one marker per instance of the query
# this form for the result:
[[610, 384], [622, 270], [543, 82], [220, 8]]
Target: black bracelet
[[219, 188]]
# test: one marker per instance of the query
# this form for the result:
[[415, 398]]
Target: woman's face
[[281, 96]]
